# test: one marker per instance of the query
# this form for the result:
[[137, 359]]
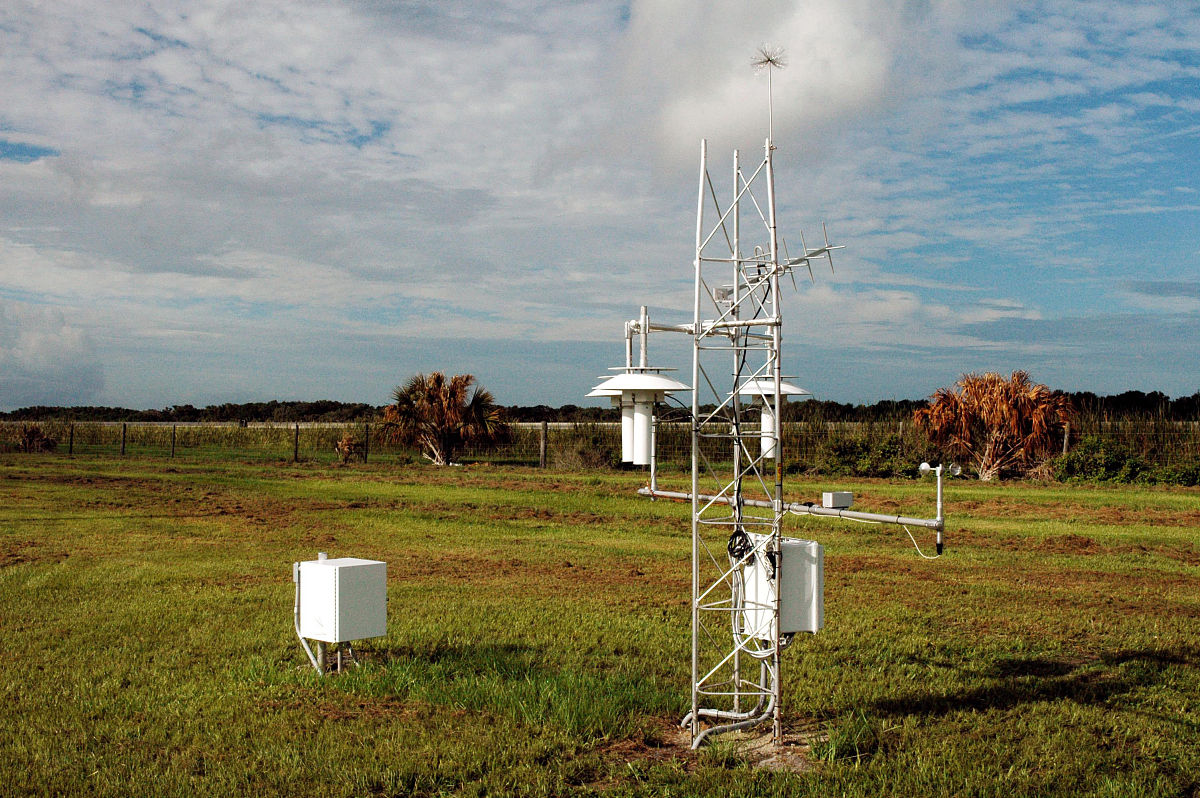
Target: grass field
[[538, 637]]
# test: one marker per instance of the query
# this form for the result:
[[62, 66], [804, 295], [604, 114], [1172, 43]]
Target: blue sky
[[227, 201]]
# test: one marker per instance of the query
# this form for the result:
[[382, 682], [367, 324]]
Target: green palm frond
[[442, 415]]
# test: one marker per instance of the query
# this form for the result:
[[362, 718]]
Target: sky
[[208, 202]]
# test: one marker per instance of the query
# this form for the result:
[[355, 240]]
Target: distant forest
[[1124, 405]]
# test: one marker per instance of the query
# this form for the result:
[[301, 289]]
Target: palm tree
[[998, 424], [440, 416]]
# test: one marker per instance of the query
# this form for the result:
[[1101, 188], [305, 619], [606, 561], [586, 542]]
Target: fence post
[[1066, 436], [172, 441], [542, 445], [124, 428], [71, 441], [296, 444], [366, 440]]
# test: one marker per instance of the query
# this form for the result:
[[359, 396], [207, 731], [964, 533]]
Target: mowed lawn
[[538, 638]]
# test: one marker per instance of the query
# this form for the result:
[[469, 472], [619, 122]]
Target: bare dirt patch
[[337, 706], [1071, 545], [664, 742], [1141, 580], [19, 552], [999, 507], [1068, 544], [171, 499], [858, 563]]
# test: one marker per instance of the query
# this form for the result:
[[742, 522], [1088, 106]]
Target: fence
[[867, 448], [294, 442]]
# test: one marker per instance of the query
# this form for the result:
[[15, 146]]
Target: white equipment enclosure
[[801, 581], [338, 601]]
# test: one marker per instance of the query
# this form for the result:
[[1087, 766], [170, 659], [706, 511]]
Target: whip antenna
[[769, 59]]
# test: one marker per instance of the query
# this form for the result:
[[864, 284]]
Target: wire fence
[[860, 447], [216, 441]]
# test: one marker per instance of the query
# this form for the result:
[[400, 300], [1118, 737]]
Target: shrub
[[350, 447], [863, 457], [1095, 459], [442, 416], [1000, 426], [1185, 474], [33, 440], [585, 446]]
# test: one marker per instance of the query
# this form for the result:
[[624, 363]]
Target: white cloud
[[44, 359], [525, 172], [690, 67]]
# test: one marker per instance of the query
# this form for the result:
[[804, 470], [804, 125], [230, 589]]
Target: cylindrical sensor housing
[[643, 415], [767, 432], [626, 431]]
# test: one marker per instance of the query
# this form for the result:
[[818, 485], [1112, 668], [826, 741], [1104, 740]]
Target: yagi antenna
[[828, 249], [825, 251], [769, 58], [807, 262], [788, 262]]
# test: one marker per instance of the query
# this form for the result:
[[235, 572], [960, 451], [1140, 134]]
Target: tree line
[[1130, 404], [288, 411], [325, 410]]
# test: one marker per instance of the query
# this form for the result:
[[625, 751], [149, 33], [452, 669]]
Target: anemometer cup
[[954, 469]]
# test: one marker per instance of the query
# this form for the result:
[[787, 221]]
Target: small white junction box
[[837, 499], [343, 599], [801, 582]]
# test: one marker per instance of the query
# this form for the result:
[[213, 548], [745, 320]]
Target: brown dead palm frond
[[998, 424]]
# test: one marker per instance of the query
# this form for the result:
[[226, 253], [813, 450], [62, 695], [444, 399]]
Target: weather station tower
[[753, 590]]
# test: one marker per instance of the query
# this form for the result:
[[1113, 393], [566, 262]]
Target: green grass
[[538, 638]]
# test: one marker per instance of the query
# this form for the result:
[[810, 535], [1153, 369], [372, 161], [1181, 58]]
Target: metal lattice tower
[[737, 335], [736, 495], [741, 580]]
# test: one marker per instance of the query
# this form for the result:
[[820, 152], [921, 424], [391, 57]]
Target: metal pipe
[[738, 358], [296, 619], [703, 242], [645, 331], [679, 328], [767, 321], [941, 521], [653, 451], [772, 705], [777, 501], [321, 557], [798, 508], [721, 714], [695, 730]]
